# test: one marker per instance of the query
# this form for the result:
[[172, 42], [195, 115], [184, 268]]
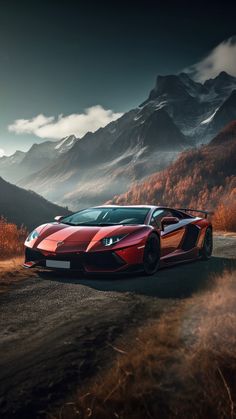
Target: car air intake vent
[[33, 255], [191, 236], [106, 260]]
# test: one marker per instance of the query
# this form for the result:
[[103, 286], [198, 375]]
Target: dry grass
[[10, 265], [11, 239], [182, 365], [225, 216], [11, 254], [12, 272]]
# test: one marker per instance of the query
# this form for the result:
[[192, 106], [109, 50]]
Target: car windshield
[[107, 216]]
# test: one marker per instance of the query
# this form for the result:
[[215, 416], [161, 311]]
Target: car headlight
[[108, 241], [32, 236]]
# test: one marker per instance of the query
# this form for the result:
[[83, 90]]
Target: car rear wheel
[[151, 257], [207, 245]]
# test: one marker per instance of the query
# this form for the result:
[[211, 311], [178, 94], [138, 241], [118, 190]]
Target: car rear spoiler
[[206, 213]]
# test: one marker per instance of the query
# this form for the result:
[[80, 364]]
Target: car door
[[172, 235]]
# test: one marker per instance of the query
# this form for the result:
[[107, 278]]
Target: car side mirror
[[167, 221], [58, 218]]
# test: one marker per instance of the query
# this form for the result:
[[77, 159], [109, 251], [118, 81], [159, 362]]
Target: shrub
[[11, 239], [225, 216]]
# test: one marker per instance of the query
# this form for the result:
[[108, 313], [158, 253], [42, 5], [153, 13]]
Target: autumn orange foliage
[[225, 216], [203, 178], [11, 239]]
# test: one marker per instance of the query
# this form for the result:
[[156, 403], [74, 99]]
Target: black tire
[[207, 247], [151, 257]]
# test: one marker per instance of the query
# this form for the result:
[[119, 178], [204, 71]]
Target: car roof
[[150, 207], [127, 206]]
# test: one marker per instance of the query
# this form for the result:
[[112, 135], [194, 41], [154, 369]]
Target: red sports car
[[120, 238]]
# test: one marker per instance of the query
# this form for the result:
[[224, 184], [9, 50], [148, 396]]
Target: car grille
[[32, 255], [94, 260], [103, 260]]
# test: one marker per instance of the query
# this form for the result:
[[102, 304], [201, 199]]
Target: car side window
[[177, 214], [161, 213], [158, 215]]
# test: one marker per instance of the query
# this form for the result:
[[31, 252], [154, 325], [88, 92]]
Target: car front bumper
[[106, 261]]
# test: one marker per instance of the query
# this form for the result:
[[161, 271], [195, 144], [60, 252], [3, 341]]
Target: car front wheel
[[151, 257]]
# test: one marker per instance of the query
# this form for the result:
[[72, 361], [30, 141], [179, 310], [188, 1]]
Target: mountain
[[224, 114], [170, 86], [178, 114], [226, 136], [39, 156], [157, 132], [26, 207], [202, 177], [7, 164], [222, 85], [104, 162], [193, 105]]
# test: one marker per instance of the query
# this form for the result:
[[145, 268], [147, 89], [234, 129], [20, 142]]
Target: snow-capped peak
[[66, 143]]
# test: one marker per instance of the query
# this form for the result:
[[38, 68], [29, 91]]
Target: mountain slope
[[105, 162], [201, 177], [26, 207], [178, 114], [190, 104], [8, 163], [226, 136], [222, 85], [225, 114], [39, 156]]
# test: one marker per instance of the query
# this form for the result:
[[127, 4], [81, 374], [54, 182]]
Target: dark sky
[[59, 57]]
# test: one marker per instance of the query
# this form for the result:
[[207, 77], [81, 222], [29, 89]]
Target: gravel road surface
[[57, 330]]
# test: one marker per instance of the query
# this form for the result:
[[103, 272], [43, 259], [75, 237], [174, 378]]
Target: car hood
[[61, 237]]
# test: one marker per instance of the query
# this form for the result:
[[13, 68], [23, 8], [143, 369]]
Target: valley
[[179, 114]]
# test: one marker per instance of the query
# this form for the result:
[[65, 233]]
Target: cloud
[[221, 58], [2, 152], [58, 127]]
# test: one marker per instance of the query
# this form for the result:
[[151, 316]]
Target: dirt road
[[56, 330]]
